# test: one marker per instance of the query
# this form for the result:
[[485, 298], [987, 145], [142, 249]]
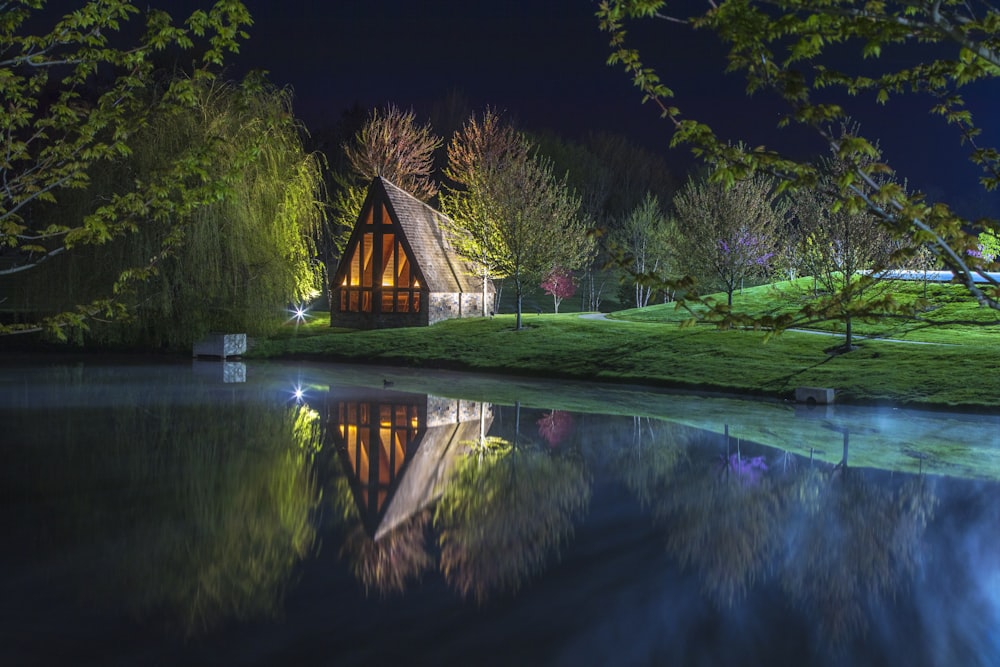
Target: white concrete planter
[[221, 345]]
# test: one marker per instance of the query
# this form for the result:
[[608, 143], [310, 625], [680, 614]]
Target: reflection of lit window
[[377, 449]]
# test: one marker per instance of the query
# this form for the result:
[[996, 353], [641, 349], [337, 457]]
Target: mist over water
[[266, 514]]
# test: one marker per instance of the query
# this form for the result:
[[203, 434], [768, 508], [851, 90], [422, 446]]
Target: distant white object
[[817, 395], [932, 276], [221, 345]]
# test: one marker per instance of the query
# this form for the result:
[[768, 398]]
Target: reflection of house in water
[[397, 449]]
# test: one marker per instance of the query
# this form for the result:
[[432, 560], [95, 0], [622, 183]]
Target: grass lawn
[[917, 362]]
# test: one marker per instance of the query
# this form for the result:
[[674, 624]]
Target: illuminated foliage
[[845, 251], [559, 284], [232, 264], [390, 144], [505, 513], [794, 49], [514, 217], [729, 234], [649, 241], [73, 98]]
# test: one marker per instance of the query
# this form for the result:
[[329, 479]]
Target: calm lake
[[183, 512]]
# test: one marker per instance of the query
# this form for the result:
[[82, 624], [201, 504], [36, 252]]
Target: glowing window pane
[[354, 272], [387, 301], [368, 216], [385, 456], [363, 450], [403, 268], [399, 452], [367, 247], [388, 260], [366, 301], [354, 302], [416, 302], [400, 415], [403, 302]]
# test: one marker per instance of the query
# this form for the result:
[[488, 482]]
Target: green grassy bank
[[918, 362]]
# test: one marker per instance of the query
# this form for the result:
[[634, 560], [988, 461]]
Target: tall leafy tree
[[74, 92], [611, 175], [844, 250], [796, 48], [648, 238], [233, 264], [393, 144], [514, 217], [728, 234]]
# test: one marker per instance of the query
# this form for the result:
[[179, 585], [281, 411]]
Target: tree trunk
[[485, 305], [517, 288], [848, 336]]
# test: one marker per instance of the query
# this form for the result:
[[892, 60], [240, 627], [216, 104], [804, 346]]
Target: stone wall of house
[[440, 306], [452, 411], [448, 306]]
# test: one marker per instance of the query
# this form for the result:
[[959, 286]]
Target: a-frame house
[[400, 270]]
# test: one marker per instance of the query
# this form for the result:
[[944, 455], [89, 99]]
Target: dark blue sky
[[544, 62]]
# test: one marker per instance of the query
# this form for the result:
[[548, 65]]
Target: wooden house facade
[[399, 268]]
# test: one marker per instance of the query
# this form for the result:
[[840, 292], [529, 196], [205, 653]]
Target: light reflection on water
[[168, 514]]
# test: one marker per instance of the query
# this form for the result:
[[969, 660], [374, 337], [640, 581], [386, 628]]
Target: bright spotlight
[[299, 313]]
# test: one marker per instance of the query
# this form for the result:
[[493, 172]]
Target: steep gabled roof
[[425, 231]]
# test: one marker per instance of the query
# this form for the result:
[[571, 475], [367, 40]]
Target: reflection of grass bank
[[656, 351], [956, 444]]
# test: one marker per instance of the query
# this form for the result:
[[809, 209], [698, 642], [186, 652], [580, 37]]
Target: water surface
[[276, 514]]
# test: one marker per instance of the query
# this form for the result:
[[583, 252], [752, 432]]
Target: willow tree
[[797, 51], [74, 93], [233, 264], [513, 215]]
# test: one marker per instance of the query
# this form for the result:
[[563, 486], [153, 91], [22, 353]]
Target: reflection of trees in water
[[840, 539], [853, 542], [721, 520], [506, 510], [503, 511], [237, 519], [386, 565], [554, 426], [836, 539], [646, 457], [195, 513]]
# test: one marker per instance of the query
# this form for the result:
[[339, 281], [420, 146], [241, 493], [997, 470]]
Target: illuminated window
[[379, 262]]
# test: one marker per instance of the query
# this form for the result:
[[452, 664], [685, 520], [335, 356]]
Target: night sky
[[543, 61]]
